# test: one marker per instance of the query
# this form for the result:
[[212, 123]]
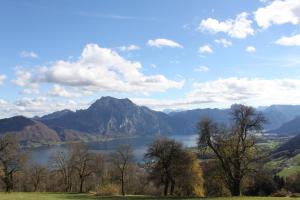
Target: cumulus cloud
[[38, 106], [59, 91], [289, 41], [278, 12], [226, 91], [205, 49], [2, 78], [131, 47], [99, 69], [224, 42], [23, 78], [28, 54], [254, 91], [240, 27], [251, 49], [201, 69], [162, 42]]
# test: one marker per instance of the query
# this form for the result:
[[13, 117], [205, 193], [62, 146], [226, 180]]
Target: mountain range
[[110, 117]]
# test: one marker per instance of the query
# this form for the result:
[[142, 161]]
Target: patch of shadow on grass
[[137, 197]]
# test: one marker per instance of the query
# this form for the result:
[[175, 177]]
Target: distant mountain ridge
[[112, 117], [28, 131], [289, 128]]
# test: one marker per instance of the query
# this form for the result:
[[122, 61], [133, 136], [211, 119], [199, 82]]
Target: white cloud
[[2, 102], [30, 91], [23, 78], [100, 69], [251, 49], [28, 54], [161, 42], [240, 27], [38, 106], [131, 47], [201, 69], [253, 91], [57, 90], [289, 41], [278, 12], [2, 78], [205, 49], [224, 42], [222, 93]]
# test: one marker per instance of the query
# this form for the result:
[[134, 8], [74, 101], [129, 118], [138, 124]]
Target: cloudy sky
[[172, 55]]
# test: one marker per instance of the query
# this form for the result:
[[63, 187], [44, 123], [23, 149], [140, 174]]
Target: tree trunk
[[81, 185], [8, 184], [166, 188], [172, 187], [235, 188], [122, 183]]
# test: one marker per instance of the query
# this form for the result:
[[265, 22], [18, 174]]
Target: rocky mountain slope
[[111, 116]]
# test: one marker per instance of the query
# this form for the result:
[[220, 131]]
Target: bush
[[295, 195], [281, 193], [108, 190], [293, 183]]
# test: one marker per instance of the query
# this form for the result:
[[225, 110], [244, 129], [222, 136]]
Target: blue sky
[[171, 55]]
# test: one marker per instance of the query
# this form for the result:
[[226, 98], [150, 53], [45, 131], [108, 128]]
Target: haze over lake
[[41, 155]]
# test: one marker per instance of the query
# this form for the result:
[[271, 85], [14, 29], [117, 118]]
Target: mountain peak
[[108, 100]]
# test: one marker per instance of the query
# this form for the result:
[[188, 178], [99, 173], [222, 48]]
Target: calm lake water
[[41, 155]]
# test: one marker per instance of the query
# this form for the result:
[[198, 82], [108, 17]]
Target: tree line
[[226, 162]]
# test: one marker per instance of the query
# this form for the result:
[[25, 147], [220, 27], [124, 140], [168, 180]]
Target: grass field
[[60, 196]]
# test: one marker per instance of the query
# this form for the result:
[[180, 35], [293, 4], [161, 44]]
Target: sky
[[171, 54]]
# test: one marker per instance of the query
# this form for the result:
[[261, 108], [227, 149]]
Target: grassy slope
[[60, 196], [292, 165]]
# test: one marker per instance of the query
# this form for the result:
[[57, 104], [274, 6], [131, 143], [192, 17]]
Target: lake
[[41, 155]]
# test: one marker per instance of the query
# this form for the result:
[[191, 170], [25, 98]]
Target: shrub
[[281, 193], [108, 190]]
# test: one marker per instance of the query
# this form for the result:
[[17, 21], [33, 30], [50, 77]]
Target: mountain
[[292, 146], [56, 114], [185, 122], [289, 128], [277, 115], [27, 131], [111, 116]]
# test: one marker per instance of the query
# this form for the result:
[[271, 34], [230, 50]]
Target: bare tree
[[11, 160], [121, 159], [234, 147], [82, 162], [60, 161], [37, 175]]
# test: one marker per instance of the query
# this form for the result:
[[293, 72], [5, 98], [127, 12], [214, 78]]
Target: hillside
[[28, 131], [289, 128], [277, 115], [285, 159], [291, 146], [185, 122]]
